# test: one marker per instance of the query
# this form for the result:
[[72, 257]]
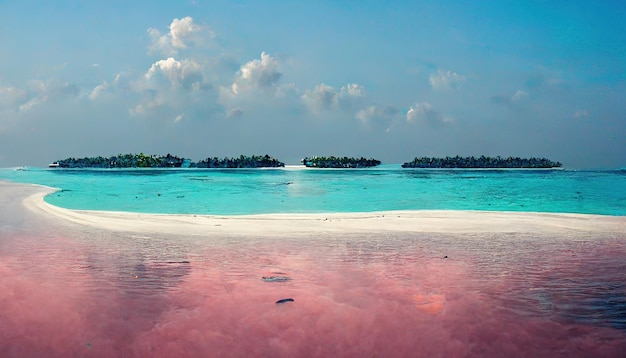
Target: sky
[[390, 80]]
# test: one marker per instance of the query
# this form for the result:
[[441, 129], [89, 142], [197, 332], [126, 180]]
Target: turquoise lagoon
[[300, 190]]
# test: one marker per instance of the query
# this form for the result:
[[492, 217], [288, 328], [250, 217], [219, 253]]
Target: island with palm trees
[[255, 161], [482, 162], [339, 162], [142, 160]]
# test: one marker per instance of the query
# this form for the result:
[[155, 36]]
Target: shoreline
[[81, 283], [418, 221]]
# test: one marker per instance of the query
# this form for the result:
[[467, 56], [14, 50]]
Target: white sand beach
[[439, 221]]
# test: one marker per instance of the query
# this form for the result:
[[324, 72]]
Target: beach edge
[[435, 221]]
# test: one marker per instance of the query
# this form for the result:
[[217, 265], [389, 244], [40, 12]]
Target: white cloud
[[258, 73], [373, 113], [425, 114], [324, 97], [185, 73], [109, 87], [179, 118], [33, 102], [446, 80], [39, 92], [366, 114], [96, 92], [519, 96], [182, 33], [352, 89], [182, 30]]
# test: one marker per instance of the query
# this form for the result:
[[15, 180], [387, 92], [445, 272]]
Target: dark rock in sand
[[285, 300], [276, 278]]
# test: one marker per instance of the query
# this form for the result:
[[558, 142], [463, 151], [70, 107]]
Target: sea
[[71, 290], [296, 189]]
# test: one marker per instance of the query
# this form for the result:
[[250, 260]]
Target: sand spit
[[439, 221]]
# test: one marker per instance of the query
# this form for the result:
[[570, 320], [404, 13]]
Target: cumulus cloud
[[352, 89], [377, 117], [258, 73], [182, 32], [109, 87], [321, 97], [185, 73], [324, 97], [446, 80], [373, 114], [425, 114], [98, 90]]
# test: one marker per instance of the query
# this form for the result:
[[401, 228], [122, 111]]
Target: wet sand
[[422, 283]]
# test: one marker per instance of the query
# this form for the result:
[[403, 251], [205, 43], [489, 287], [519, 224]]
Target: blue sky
[[389, 80]]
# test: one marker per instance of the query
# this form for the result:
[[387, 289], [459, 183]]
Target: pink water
[[70, 291]]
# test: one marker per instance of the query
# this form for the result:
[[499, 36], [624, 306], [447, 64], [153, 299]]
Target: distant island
[[335, 162], [255, 161], [166, 161], [481, 162]]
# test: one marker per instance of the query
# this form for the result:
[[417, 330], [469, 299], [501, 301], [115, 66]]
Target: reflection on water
[[104, 294]]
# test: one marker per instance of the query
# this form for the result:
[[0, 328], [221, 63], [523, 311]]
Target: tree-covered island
[[255, 161], [166, 161], [482, 162], [124, 161], [335, 162]]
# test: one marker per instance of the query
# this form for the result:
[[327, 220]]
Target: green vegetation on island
[[335, 162], [481, 162], [168, 161], [124, 161], [255, 161]]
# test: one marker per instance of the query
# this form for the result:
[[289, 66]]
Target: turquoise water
[[297, 190]]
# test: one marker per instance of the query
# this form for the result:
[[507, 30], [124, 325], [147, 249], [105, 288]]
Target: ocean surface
[[68, 290], [300, 190]]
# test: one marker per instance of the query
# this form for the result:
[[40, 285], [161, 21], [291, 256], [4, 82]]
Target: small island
[[166, 161], [255, 161], [335, 162], [482, 162], [123, 161]]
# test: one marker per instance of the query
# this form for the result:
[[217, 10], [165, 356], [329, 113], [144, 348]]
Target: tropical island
[[335, 162], [482, 162], [142, 160], [255, 161]]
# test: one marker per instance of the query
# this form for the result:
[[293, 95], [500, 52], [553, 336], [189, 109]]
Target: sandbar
[[436, 221]]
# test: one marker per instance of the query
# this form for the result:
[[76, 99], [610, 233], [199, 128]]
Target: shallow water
[[75, 291], [255, 191]]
